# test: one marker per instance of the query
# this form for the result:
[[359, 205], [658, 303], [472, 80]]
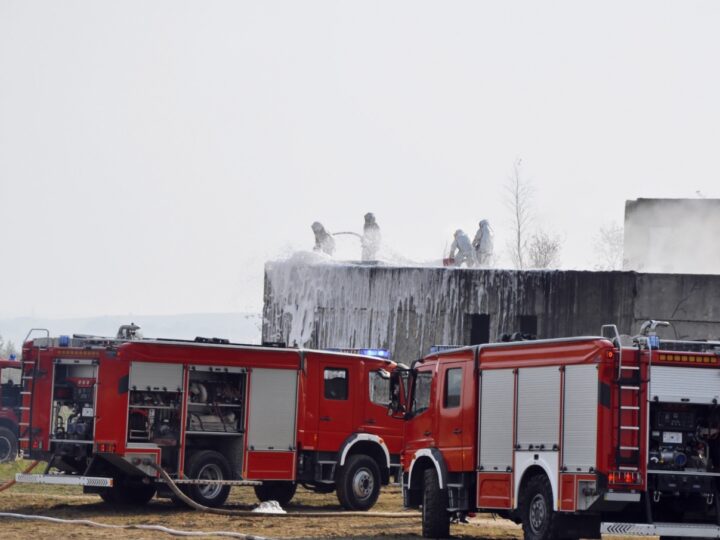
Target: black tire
[[128, 494], [8, 445], [539, 520], [282, 492], [435, 517], [358, 483], [210, 465]]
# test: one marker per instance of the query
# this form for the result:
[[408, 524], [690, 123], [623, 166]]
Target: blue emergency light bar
[[441, 348], [376, 353]]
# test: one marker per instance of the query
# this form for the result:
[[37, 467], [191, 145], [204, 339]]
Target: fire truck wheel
[[536, 509], [282, 492], [208, 465], [358, 483], [435, 517], [8, 445], [128, 494]]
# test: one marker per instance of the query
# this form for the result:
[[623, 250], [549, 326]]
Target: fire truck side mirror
[[396, 407]]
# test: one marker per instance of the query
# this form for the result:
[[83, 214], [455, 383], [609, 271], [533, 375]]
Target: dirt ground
[[70, 503]]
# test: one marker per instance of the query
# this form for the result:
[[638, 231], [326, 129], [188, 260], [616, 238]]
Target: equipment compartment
[[73, 403], [216, 400]]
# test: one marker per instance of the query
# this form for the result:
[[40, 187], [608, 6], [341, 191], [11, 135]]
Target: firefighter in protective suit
[[461, 249], [483, 243], [323, 240], [371, 238]]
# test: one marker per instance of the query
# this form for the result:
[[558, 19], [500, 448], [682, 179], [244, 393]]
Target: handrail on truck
[[615, 338]]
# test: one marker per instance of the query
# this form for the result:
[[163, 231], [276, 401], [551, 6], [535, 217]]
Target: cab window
[[421, 393], [336, 383], [379, 389], [453, 384]]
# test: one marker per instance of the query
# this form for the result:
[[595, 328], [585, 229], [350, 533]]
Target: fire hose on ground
[[191, 503], [249, 513], [11, 483]]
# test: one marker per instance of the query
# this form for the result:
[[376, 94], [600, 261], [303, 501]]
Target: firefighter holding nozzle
[[323, 240], [461, 250]]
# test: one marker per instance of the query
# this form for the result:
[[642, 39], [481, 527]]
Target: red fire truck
[[570, 437], [102, 411], [9, 408]]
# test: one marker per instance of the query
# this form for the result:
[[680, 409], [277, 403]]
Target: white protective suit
[[461, 249], [483, 244], [371, 238], [323, 240]]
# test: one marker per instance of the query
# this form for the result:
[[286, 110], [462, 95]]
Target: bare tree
[[518, 199], [608, 246], [7, 348], [544, 250]]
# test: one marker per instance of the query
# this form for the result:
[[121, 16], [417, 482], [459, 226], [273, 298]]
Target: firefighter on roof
[[461, 250], [371, 238], [483, 243], [323, 240]]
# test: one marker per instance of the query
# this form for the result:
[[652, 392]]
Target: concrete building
[[409, 309]]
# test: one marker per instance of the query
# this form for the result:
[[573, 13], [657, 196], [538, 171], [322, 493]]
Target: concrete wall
[[409, 309]]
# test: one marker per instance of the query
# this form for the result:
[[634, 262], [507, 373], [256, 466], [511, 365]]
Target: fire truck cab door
[[451, 429], [271, 434], [335, 403]]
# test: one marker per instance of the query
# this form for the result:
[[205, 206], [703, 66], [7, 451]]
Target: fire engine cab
[[105, 412], [570, 437]]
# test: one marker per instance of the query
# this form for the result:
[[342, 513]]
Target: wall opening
[[528, 324], [479, 328]]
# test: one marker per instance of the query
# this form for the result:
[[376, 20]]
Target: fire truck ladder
[[629, 434], [629, 384], [29, 372]]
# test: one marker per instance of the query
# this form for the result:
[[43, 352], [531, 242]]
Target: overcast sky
[[153, 155]]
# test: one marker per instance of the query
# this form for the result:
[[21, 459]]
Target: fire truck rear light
[[105, 447], [623, 477]]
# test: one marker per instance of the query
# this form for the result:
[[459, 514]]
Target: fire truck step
[[218, 482], [25, 393], [631, 367], [633, 448], [23, 423], [690, 530], [630, 407], [628, 468], [630, 428], [24, 408], [63, 480], [629, 387]]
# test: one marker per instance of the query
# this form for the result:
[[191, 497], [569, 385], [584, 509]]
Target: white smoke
[[674, 236]]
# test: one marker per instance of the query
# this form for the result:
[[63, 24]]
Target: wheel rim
[[210, 472], [538, 513], [363, 484], [5, 449]]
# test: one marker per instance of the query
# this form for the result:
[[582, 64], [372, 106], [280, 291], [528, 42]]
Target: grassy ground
[[70, 503]]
